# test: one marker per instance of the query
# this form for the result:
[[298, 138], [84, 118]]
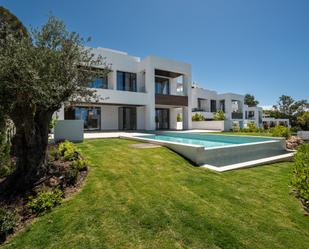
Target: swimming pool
[[206, 140], [218, 151]]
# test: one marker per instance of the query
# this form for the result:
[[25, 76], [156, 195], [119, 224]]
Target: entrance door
[[127, 118], [162, 119]]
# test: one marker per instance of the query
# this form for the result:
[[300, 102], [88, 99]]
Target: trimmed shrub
[[300, 179], [198, 117], [219, 115], [80, 165], [280, 131], [252, 127], [44, 201], [71, 176], [54, 154], [68, 151], [9, 219], [179, 118]]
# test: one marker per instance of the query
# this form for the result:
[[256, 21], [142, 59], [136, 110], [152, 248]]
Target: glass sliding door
[[162, 119], [90, 115], [127, 118]]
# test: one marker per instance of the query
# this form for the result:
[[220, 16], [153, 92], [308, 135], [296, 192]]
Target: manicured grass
[[153, 198]]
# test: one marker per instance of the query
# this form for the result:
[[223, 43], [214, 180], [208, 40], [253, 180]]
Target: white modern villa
[[149, 94], [137, 95]]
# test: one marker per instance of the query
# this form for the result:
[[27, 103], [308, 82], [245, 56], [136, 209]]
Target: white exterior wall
[[109, 117], [144, 98]]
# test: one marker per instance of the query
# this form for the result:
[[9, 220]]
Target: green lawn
[[153, 198]]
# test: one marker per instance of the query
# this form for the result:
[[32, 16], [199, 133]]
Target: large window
[[100, 82], [222, 105], [213, 105], [126, 81], [162, 85], [202, 104], [127, 118], [90, 115]]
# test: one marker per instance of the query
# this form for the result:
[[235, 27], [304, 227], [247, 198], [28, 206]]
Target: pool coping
[[249, 164]]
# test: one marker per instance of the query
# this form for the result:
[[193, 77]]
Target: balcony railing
[[237, 115], [199, 110]]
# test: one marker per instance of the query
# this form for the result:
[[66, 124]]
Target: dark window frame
[[213, 105], [123, 85]]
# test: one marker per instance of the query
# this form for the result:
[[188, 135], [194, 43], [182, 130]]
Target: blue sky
[[244, 46]]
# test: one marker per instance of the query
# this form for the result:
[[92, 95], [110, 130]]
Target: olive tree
[[38, 73]]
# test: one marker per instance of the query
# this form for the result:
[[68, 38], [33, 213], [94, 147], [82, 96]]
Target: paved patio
[[115, 134]]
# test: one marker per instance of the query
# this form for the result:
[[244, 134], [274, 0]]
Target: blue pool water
[[206, 140]]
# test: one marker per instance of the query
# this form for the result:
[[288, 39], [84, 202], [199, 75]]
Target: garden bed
[[66, 173]]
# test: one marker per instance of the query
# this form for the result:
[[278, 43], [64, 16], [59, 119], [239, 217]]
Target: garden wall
[[220, 125]]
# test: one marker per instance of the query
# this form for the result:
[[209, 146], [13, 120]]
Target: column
[[187, 110], [150, 113]]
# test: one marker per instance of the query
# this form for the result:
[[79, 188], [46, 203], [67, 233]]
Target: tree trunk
[[29, 147]]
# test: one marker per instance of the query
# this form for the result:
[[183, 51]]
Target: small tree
[[250, 100], [37, 76], [303, 121], [179, 118], [219, 115]]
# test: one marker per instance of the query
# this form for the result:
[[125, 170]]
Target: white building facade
[[136, 95], [208, 102]]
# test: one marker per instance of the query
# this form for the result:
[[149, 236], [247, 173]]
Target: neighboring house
[[271, 122], [207, 103], [136, 95]]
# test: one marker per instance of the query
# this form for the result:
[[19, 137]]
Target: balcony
[[176, 100], [237, 115], [199, 110]]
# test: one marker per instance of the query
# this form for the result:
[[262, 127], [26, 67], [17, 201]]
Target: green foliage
[[235, 127], [179, 118], [300, 179], [280, 131], [71, 176], [9, 219], [198, 117], [68, 151], [12, 24], [6, 164], [219, 115], [287, 107], [250, 100], [54, 153], [303, 121], [37, 76], [44, 201], [52, 123], [252, 127], [79, 165]]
